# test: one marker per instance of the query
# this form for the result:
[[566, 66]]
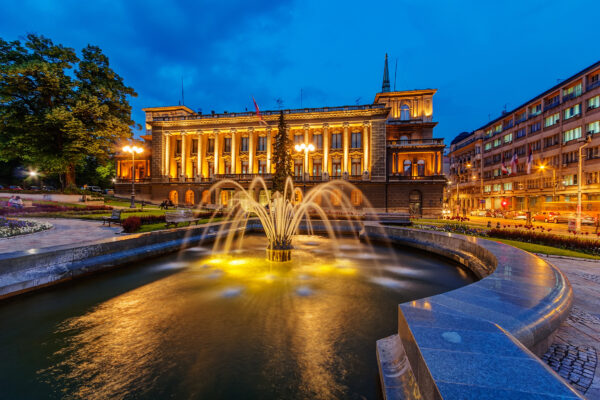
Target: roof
[[461, 136]]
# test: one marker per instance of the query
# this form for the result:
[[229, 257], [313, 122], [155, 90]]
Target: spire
[[385, 87]]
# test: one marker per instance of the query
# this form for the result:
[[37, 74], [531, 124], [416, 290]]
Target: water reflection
[[217, 326]]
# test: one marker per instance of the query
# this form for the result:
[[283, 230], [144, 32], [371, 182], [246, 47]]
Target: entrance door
[[415, 204]]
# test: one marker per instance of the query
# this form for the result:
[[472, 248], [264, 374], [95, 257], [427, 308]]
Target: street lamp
[[306, 149], [585, 142], [133, 150]]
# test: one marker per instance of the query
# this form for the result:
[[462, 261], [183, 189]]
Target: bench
[[177, 216], [114, 217]]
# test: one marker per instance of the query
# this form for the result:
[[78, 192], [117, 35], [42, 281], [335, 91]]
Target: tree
[[56, 119], [282, 158]]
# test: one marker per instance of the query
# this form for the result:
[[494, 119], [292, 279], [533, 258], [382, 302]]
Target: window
[[594, 102], [355, 167], [404, 140], [521, 133], [244, 143], [497, 142], [211, 145], [593, 127], [551, 120], [569, 180], [356, 197], [336, 141], [194, 146], [336, 167], [178, 147], [262, 143], [551, 141], [572, 134], [404, 112], [318, 141], [211, 170], [535, 127], [245, 167], [317, 169], [497, 187], [536, 146], [407, 169], [521, 151], [488, 146], [487, 188], [227, 167], [508, 138], [421, 168], [520, 117], [356, 140], [535, 109], [573, 111], [498, 128], [262, 167], [227, 145], [298, 139], [572, 92], [508, 186], [298, 168]]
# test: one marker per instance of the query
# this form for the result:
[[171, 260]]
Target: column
[[365, 139], [118, 168], [346, 146], [326, 149], [200, 155], [168, 156], [183, 156], [269, 150], [435, 164], [306, 168], [233, 151], [217, 149], [251, 151]]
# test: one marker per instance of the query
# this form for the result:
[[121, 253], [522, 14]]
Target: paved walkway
[[575, 352], [65, 231]]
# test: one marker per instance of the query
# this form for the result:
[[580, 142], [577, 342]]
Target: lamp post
[[585, 142], [306, 149], [133, 150]]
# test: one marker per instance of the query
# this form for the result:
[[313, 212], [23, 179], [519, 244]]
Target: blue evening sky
[[480, 55]]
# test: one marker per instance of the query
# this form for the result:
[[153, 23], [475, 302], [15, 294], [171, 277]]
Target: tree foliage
[[282, 157], [57, 110]]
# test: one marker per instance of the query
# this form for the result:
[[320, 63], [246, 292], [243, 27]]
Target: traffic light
[[504, 203]]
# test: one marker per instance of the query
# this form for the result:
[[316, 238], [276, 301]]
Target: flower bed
[[13, 227], [578, 243], [50, 208]]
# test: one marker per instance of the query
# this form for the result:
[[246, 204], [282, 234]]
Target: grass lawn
[[161, 225], [126, 203]]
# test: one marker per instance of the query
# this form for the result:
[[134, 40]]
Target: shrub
[[590, 246], [132, 224]]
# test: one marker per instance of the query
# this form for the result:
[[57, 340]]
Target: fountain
[[280, 215]]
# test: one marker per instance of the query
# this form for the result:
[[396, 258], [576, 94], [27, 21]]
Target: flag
[[513, 163], [529, 160], [504, 169], [260, 120]]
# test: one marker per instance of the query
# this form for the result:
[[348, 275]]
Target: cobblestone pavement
[[574, 353], [65, 231]]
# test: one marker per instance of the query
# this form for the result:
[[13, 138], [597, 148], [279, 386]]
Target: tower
[[385, 87]]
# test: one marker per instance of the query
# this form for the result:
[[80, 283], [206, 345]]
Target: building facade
[[386, 149], [489, 166]]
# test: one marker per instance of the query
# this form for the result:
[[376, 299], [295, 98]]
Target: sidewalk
[[65, 231], [576, 348]]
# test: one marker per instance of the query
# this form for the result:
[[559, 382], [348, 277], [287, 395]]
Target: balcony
[[551, 105], [415, 142], [405, 178], [138, 180], [242, 177], [593, 85], [570, 96], [522, 119]]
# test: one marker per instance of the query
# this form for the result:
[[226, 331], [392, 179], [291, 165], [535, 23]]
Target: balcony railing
[[270, 112], [522, 119], [400, 177], [415, 142], [242, 177], [552, 105], [570, 96], [138, 180], [593, 85]]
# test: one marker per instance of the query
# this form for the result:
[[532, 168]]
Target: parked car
[[96, 189], [446, 212], [564, 218], [545, 216], [479, 213], [48, 188], [522, 215], [34, 188], [1, 187], [14, 187]]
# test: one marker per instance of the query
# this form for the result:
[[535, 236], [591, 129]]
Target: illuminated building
[[385, 148]]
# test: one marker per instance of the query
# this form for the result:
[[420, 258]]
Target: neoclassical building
[[386, 149]]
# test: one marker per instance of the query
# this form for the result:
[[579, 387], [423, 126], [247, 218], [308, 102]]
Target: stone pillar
[[217, 150], [365, 139], [168, 156], [269, 149], [306, 168], [346, 147], [233, 151], [200, 156], [183, 156], [326, 162], [251, 151]]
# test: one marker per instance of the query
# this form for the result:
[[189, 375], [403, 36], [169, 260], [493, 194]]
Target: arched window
[[404, 139], [421, 168], [206, 197], [404, 112], [356, 197], [407, 170], [189, 198], [336, 197], [174, 197]]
